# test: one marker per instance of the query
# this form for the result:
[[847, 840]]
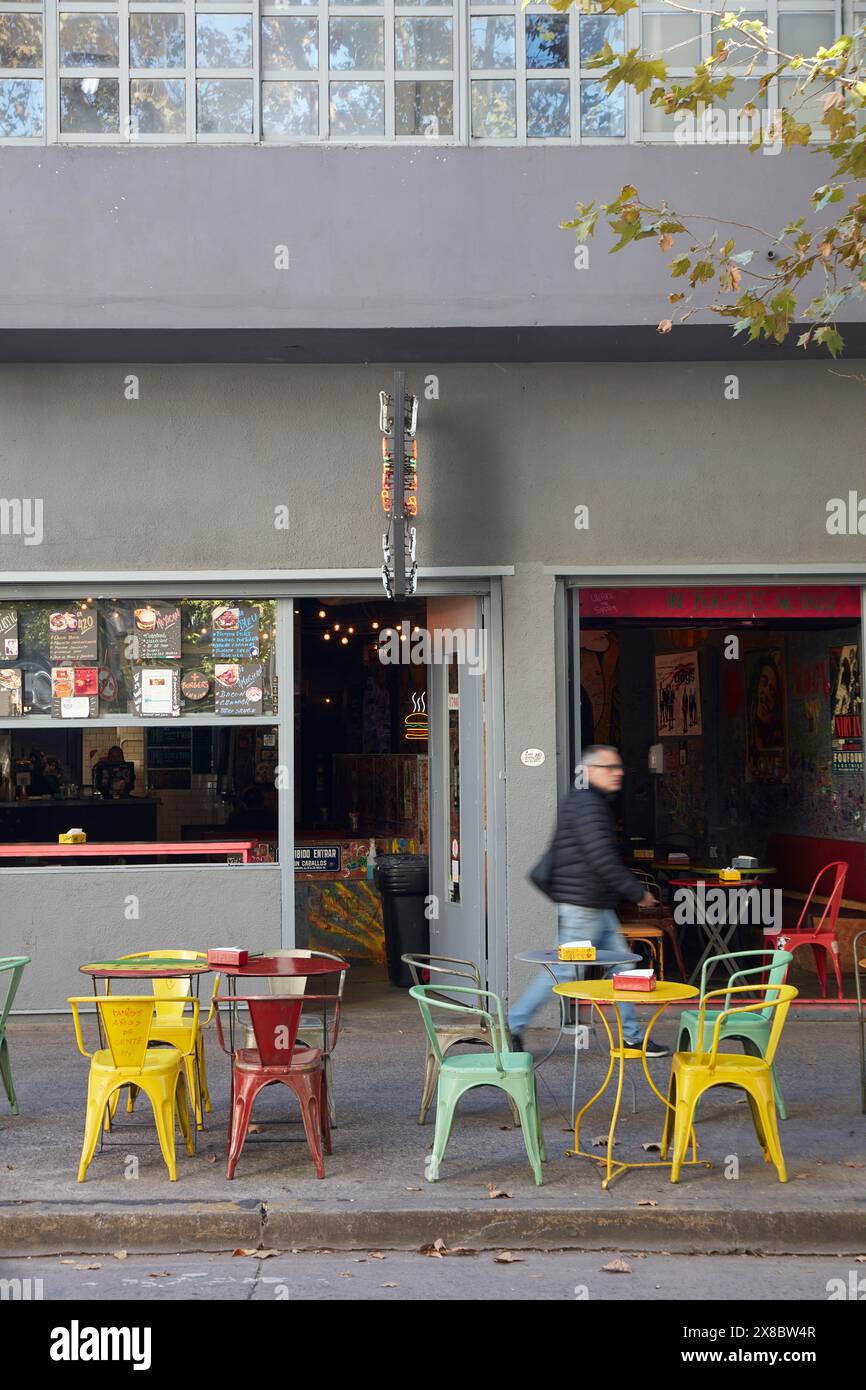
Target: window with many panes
[[482, 72]]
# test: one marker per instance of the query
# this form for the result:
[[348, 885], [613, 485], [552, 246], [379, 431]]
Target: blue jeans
[[600, 925]]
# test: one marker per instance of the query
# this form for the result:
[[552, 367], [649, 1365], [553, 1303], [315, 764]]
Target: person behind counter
[[113, 775]]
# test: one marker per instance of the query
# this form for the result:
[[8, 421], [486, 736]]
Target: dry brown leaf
[[210, 1158], [665, 326], [800, 1175], [120, 1254], [616, 1267], [346, 1274], [437, 1249], [506, 1127], [860, 1259], [505, 1257], [851, 1164], [67, 1262], [159, 1274], [88, 1266], [651, 1148], [493, 1192], [390, 1286], [376, 1255], [255, 1129], [267, 1254], [645, 1202], [412, 1189], [666, 241], [600, 1142], [241, 1251]]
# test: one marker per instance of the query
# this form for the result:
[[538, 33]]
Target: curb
[[175, 1227]]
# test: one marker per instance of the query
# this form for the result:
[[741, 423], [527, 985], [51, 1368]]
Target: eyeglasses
[[610, 767]]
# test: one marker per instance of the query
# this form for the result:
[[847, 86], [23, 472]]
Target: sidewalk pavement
[[374, 1193]]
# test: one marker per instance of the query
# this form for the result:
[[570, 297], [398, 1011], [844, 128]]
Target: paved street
[[358, 1276]]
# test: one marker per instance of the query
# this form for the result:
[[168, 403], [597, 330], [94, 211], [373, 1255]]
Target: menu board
[[156, 690], [235, 633], [238, 687], [74, 636], [157, 631], [74, 692], [10, 693], [8, 633]]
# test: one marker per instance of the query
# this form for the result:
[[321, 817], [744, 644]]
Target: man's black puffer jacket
[[587, 869]]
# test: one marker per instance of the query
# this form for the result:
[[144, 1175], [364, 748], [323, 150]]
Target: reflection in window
[[548, 110], [290, 108], [547, 41], [224, 107], [357, 43], [89, 105], [89, 41], [453, 850], [357, 108], [602, 113], [157, 106], [156, 41], [290, 42], [494, 109], [424, 108], [491, 42], [423, 43], [21, 108], [20, 41], [223, 40], [596, 31]]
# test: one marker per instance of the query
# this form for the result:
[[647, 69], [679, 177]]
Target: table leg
[[563, 1005]]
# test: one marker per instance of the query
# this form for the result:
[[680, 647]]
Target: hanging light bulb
[[351, 630], [336, 627], [345, 641], [327, 636], [375, 627], [322, 613]]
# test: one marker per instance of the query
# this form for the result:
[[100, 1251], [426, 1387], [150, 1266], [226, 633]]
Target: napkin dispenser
[[72, 837], [577, 950], [227, 955], [641, 981]]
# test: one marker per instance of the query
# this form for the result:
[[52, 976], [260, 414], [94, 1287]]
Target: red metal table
[[717, 943], [131, 849]]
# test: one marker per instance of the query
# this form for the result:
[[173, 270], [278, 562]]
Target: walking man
[[587, 882]]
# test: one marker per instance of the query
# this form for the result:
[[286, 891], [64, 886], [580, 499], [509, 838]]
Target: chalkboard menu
[[235, 633], [8, 633], [74, 636], [157, 631], [238, 687], [74, 692]]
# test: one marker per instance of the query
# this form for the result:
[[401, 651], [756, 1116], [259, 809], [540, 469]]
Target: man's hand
[[648, 900]]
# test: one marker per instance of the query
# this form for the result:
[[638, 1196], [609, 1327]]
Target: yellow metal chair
[[128, 1060], [693, 1073], [172, 1024]]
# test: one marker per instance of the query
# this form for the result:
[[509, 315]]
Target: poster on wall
[[157, 631], [156, 691], [235, 633], [678, 695], [8, 634], [846, 710], [10, 693], [74, 692], [238, 687], [766, 714], [73, 636]]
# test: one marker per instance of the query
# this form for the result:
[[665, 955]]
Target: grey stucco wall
[[64, 918], [188, 476], [185, 236]]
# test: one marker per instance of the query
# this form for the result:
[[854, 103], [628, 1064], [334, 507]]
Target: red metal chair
[[277, 1057], [822, 938]]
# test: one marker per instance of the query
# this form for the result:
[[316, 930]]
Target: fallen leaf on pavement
[[241, 1251], [376, 1255], [506, 1127], [267, 1254], [390, 1286], [437, 1249], [346, 1274], [645, 1202], [616, 1267], [505, 1257], [858, 1260], [493, 1191], [159, 1274], [88, 1266], [412, 1189], [651, 1148], [255, 1129], [210, 1158], [600, 1141]]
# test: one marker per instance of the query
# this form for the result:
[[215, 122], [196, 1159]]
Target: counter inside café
[[40, 820]]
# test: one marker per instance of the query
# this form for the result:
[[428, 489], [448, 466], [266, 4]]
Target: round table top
[[549, 956], [159, 968], [264, 966], [602, 991], [716, 883]]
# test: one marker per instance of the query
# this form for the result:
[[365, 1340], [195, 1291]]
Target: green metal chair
[[752, 1029], [512, 1072], [16, 965]]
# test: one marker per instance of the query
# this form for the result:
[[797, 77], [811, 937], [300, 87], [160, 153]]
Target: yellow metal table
[[598, 992]]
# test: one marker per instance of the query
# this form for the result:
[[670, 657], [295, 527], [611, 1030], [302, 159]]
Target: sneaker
[[516, 1043], [654, 1049]]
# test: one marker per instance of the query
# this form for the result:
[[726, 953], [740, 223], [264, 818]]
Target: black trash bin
[[403, 880]]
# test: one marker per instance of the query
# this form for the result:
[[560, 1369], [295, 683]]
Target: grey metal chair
[[448, 1035]]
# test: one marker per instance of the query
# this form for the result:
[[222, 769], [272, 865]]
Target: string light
[[322, 613], [327, 636], [345, 641], [336, 627], [375, 627], [351, 630]]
